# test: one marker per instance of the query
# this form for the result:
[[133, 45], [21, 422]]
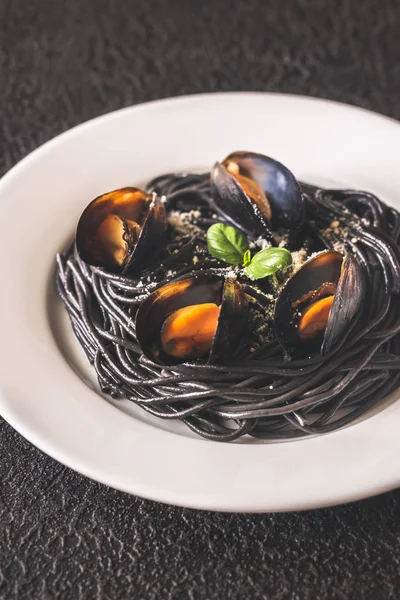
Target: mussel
[[200, 316], [121, 230], [318, 305], [257, 193]]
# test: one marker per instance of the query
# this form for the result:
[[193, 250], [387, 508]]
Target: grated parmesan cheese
[[184, 222], [260, 243], [298, 259]]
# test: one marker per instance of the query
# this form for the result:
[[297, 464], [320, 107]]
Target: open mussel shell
[[279, 185], [202, 298], [235, 203], [319, 304], [269, 187], [121, 230]]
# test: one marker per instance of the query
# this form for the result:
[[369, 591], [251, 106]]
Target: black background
[[63, 62]]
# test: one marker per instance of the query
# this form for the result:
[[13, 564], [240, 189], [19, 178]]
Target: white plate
[[48, 393]]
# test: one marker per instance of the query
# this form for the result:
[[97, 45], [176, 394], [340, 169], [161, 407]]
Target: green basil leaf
[[226, 243], [267, 262], [247, 258]]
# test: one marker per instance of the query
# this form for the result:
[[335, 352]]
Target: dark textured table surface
[[61, 63]]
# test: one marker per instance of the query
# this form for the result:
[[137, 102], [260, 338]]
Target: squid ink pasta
[[241, 301]]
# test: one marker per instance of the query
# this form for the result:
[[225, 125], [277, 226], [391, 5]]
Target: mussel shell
[[278, 183], [233, 204], [232, 324], [127, 203], [351, 290], [326, 267], [201, 289]]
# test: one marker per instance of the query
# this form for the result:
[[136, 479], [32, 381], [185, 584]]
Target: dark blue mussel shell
[[235, 201]]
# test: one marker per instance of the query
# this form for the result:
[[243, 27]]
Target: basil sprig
[[267, 262], [227, 243]]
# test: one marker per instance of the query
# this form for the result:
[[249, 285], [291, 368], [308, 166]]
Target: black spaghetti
[[280, 384]]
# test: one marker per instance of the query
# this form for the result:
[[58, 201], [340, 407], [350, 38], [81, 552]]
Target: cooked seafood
[[320, 302], [117, 230], [257, 194], [191, 318]]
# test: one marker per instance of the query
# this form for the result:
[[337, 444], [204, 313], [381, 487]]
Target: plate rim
[[37, 439]]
